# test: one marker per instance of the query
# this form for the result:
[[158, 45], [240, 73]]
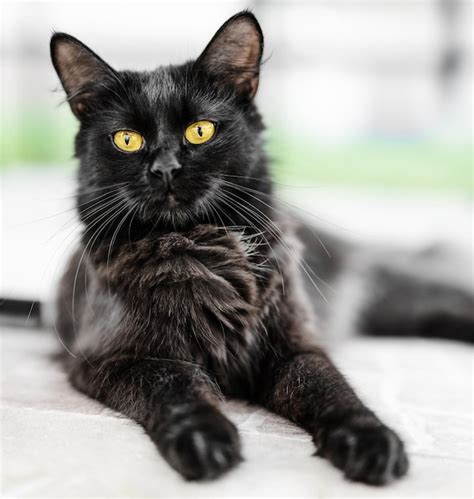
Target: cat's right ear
[[80, 71]]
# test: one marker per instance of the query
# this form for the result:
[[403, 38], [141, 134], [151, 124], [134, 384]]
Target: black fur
[[409, 305], [178, 297]]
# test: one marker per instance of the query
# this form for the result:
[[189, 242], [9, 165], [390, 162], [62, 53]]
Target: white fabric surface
[[58, 443]]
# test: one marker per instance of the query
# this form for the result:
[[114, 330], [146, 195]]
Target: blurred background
[[368, 106]]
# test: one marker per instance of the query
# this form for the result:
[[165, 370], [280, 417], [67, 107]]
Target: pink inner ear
[[246, 50], [234, 55], [80, 107], [238, 46], [77, 67]]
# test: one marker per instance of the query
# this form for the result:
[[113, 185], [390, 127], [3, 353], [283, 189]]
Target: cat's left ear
[[234, 54]]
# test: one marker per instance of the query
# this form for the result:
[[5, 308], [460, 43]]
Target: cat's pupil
[[199, 131], [126, 139]]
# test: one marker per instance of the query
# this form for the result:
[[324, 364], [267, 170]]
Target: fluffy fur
[[178, 295]]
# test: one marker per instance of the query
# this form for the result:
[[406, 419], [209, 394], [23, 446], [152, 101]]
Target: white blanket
[[58, 443]]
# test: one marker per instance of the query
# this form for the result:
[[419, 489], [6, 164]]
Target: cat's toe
[[201, 446], [372, 454]]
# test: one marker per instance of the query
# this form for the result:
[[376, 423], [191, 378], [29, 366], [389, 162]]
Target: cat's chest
[[204, 257], [196, 294]]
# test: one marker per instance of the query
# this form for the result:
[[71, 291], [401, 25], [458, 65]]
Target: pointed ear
[[233, 56], [80, 70]]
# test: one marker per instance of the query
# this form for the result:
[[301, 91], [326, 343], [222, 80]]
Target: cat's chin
[[169, 210], [171, 201]]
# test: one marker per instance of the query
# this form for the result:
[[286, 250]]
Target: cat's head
[[160, 144]]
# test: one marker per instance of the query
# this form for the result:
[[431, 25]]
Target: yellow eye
[[200, 132], [128, 141]]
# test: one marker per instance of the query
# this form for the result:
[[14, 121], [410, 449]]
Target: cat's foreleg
[[309, 390], [174, 402]]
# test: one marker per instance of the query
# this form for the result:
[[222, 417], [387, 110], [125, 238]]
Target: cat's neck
[[248, 210]]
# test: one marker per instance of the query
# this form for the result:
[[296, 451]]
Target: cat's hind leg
[[407, 304]]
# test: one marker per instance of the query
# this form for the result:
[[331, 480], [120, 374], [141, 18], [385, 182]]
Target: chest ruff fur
[[194, 296]]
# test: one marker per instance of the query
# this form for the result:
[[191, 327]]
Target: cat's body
[[189, 283], [378, 290]]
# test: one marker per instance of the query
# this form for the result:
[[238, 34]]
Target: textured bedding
[[58, 443]]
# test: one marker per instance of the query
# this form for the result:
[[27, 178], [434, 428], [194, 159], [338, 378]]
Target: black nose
[[165, 170]]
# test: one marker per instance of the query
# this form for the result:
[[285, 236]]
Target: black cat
[[188, 282]]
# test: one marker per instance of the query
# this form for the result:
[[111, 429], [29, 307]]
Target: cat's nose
[[165, 170]]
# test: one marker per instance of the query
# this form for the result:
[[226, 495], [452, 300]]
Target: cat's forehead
[[163, 83], [172, 87]]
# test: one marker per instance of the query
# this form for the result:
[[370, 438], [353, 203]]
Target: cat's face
[[161, 143]]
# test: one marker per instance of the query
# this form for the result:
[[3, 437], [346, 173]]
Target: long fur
[[176, 298]]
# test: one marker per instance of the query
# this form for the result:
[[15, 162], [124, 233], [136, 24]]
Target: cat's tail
[[385, 292]]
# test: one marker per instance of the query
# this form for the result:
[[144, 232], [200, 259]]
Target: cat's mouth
[[173, 204], [166, 197], [170, 199], [164, 204]]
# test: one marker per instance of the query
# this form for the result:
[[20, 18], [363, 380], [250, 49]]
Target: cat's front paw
[[370, 453], [201, 444]]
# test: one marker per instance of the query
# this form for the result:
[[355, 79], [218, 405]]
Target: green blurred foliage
[[423, 165], [37, 137], [42, 138]]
